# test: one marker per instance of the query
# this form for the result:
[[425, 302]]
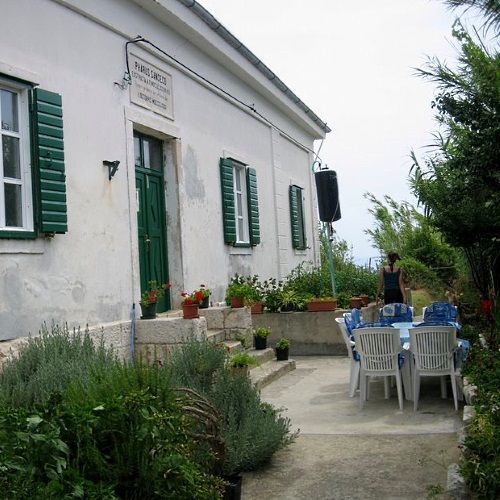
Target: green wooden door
[[151, 214]]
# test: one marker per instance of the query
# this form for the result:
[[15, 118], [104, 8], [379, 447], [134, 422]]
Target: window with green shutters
[[299, 241], [240, 203], [32, 173]]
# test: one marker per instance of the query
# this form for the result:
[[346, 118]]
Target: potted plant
[[206, 292], [254, 300], [355, 302], [289, 300], [191, 303], [240, 362], [365, 298], [150, 297], [260, 337], [317, 304], [282, 347], [237, 291]]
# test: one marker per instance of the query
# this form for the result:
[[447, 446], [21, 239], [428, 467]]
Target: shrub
[[48, 363], [120, 433], [252, 431], [480, 465]]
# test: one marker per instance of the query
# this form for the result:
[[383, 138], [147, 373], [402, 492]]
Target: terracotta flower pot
[[318, 305], [240, 371], [365, 299], [356, 302], [190, 311], [257, 308], [236, 302]]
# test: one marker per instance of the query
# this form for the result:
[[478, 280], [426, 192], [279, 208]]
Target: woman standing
[[391, 279]]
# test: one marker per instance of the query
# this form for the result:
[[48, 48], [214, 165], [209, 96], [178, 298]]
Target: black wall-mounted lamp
[[112, 167]]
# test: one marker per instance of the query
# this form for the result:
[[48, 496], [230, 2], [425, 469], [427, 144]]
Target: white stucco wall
[[90, 274]]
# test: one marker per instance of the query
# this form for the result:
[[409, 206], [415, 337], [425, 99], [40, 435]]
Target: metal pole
[[330, 259]]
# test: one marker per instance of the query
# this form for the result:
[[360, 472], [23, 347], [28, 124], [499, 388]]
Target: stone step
[[262, 355], [270, 371], [217, 336], [233, 346]]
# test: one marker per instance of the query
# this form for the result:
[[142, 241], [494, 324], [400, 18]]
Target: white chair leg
[[444, 393], [387, 389], [399, 386], [406, 377], [354, 380], [454, 389], [416, 390], [362, 389]]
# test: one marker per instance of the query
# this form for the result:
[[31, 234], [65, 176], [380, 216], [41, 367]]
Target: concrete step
[[233, 346], [262, 355], [270, 371], [217, 336]]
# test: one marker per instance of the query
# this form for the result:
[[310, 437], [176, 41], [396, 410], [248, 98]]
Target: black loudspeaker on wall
[[328, 195]]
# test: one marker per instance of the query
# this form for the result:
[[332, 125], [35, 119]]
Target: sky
[[353, 63]]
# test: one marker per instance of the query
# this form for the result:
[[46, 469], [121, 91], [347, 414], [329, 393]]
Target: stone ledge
[[270, 371]]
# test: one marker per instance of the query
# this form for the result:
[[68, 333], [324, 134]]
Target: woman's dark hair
[[393, 257]]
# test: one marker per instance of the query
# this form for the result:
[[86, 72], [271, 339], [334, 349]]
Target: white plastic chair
[[433, 349], [354, 376], [378, 349]]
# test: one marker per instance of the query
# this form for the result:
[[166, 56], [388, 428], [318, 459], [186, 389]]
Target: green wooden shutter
[[228, 208], [49, 159], [253, 206], [296, 218]]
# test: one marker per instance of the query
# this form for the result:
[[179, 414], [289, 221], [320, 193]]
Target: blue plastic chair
[[396, 313], [441, 311]]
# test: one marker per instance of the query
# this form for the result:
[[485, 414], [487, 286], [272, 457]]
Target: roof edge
[[229, 38]]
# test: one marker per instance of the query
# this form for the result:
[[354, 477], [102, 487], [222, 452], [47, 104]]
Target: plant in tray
[[262, 332], [260, 337], [242, 359], [282, 348], [282, 344]]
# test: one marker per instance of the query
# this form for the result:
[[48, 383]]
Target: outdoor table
[[404, 334]]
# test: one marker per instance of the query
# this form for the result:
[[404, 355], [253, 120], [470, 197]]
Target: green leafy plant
[[272, 289], [290, 299], [242, 358], [262, 332], [101, 429], [153, 293], [206, 292], [282, 343], [243, 415], [239, 288]]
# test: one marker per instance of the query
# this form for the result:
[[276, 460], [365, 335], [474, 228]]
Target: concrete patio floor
[[344, 452]]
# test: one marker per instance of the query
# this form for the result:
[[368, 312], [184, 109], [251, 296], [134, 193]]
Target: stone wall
[[310, 333]]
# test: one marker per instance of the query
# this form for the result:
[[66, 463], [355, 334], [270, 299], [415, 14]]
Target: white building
[[192, 117]]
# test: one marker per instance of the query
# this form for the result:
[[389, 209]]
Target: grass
[[421, 298]]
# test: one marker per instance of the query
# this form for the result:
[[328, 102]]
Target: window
[[299, 241], [32, 189], [240, 204]]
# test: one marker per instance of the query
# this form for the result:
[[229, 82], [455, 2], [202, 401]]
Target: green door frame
[[151, 220]]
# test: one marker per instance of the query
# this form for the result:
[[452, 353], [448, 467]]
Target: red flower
[[487, 307]]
